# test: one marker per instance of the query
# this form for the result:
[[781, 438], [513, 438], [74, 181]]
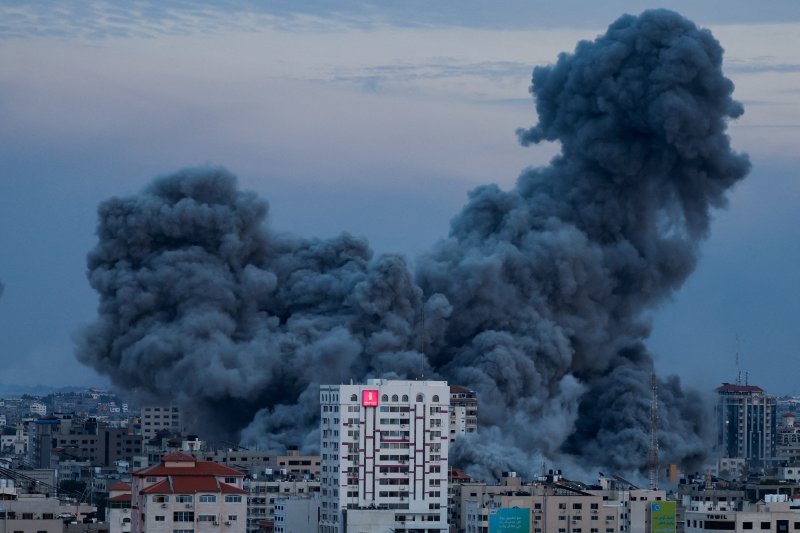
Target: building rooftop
[[731, 388], [182, 464], [191, 485]]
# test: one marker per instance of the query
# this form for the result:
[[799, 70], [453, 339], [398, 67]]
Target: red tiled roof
[[202, 468], [199, 468], [191, 485], [120, 498], [729, 387], [120, 485], [178, 457], [162, 487]]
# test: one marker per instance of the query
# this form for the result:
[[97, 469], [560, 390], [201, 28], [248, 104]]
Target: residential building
[[183, 494], [297, 515], [157, 418], [746, 418], [775, 514], [118, 509], [463, 411], [787, 446], [384, 450], [263, 492], [38, 408]]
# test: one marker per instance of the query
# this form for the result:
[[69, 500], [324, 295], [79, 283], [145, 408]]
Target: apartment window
[[232, 517], [160, 498], [183, 498], [577, 506], [208, 498], [233, 498], [748, 525], [765, 525], [230, 480], [207, 518], [182, 531], [183, 516], [161, 518], [562, 505]]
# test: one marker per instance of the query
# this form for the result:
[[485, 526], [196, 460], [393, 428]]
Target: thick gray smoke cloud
[[537, 299]]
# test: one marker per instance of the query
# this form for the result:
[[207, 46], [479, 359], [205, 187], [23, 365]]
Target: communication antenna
[[652, 461], [738, 367]]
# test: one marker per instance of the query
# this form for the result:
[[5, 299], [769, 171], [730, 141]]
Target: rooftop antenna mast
[[652, 461], [738, 369]]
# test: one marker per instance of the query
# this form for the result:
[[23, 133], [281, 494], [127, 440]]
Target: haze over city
[[373, 121]]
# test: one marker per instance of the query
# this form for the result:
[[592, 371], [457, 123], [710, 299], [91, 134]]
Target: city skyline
[[97, 110]]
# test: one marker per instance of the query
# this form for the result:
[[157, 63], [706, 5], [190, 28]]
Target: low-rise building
[[263, 493], [184, 494], [297, 515]]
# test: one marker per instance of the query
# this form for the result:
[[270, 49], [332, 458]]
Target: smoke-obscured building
[[463, 411], [384, 452], [746, 418], [157, 418]]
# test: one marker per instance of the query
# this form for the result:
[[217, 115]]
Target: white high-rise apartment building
[[384, 457]]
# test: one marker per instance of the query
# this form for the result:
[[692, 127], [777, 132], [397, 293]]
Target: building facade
[[157, 418], [463, 411], [746, 418], [384, 452], [181, 494]]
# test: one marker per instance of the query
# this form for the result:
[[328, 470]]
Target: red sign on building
[[369, 398]]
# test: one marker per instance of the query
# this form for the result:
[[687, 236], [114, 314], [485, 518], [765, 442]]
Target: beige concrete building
[[182, 494]]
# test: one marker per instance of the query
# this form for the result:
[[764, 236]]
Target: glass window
[[233, 498], [183, 516], [160, 498], [208, 498], [184, 498]]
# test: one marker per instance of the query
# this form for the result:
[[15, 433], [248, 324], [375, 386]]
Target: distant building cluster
[[91, 462]]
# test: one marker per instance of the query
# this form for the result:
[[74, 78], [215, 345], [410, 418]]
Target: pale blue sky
[[363, 118]]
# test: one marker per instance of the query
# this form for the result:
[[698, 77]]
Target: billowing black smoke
[[537, 299]]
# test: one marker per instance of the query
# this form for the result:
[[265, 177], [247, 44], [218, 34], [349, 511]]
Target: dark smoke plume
[[537, 299]]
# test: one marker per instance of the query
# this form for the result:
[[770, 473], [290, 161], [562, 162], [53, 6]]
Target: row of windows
[[395, 398], [203, 498]]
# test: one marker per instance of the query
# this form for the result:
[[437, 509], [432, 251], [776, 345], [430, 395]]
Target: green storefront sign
[[662, 517], [513, 520]]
